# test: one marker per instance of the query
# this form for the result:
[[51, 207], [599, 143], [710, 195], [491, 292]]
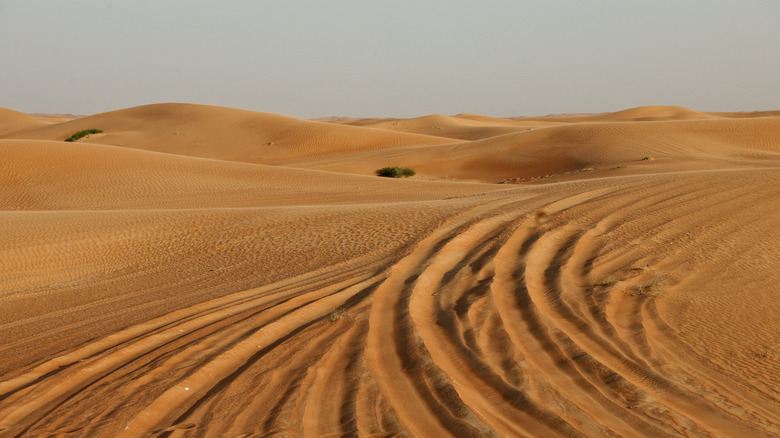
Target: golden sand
[[207, 271]]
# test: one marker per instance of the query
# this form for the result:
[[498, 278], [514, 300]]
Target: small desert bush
[[647, 158], [649, 287], [83, 133], [395, 172], [609, 281]]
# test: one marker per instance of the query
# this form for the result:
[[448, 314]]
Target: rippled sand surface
[[205, 271]]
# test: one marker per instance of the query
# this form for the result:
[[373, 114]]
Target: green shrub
[[83, 133], [395, 172], [648, 287], [609, 281]]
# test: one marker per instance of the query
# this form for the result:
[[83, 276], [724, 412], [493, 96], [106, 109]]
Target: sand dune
[[607, 148], [223, 133], [458, 127], [11, 121], [748, 114], [154, 288], [47, 175], [643, 113]]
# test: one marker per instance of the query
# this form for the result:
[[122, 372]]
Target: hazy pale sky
[[401, 58]]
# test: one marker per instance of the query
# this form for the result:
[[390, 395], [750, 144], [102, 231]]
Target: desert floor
[[207, 271]]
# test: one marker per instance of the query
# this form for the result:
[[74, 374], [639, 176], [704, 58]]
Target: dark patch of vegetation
[[651, 287], [609, 281], [83, 133], [395, 172]]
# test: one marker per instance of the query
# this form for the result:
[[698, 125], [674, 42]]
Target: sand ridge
[[223, 133], [607, 148], [48, 175], [151, 287], [11, 121]]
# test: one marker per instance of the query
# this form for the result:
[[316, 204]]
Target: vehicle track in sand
[[529, 312]]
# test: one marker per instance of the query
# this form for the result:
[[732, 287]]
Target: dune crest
[[200, 270], [11, 121], [224, 133]]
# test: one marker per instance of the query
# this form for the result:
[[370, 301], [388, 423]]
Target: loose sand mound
[[152, 294], [638, 114], [467, 147], [11, 121], [224, 133], [609, 148], [47, 175], [459, 128], [644, 113]]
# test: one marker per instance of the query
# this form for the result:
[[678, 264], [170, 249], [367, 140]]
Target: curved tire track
[[519, 316]]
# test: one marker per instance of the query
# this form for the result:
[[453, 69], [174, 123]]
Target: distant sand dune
[[47, 175], [224, 133], [459, 128], [154, 287], [643, 113], [574, 147], [11, 121]]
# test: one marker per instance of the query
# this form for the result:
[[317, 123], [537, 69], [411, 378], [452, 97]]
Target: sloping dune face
[[148, 289], [223, 133], [11, 121], [634, 142]]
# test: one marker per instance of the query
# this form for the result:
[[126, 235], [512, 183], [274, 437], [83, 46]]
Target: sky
[[401, 58]]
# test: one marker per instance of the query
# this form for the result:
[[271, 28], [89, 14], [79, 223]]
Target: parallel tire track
[[527, 314]]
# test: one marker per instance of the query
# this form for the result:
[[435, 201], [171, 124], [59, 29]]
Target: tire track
[[528, 312]]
